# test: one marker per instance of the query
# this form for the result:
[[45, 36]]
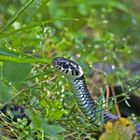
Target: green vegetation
[[33, 32]]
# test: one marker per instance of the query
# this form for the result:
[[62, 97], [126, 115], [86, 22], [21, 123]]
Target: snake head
[[68, 67]]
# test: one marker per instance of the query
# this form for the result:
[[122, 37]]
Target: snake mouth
[[67, 67]]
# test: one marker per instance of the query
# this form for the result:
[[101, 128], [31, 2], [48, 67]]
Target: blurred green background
[[33, 32]]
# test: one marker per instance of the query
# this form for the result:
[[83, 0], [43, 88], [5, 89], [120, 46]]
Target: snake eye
[[65, 65], [58, 63]]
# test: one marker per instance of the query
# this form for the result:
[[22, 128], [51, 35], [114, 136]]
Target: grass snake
[[84, 100]]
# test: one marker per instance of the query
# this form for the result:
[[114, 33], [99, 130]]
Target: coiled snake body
[[84, 100]]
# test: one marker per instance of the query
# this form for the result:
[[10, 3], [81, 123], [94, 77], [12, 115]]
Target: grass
[[33, 32]]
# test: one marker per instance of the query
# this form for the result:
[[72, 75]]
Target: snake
[[13, 112], [84, 100], [127, 101]]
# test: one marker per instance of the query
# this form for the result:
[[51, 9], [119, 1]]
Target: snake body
[[86, 103], [84, 100], [127, 106], [17, 112]]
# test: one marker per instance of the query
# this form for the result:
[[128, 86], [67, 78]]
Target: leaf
[[42, 125], [14, 56], [55, 115], [23, 59], [122, 129], [16, 72], [7, 52], [6, 92], [43, 103], [53, 130]]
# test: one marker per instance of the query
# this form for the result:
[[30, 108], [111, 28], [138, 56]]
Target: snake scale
[[84, 100]]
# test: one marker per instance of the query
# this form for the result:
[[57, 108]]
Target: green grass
[[33, 32]]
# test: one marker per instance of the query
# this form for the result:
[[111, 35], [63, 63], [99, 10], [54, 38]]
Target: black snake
[[84, 100]]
